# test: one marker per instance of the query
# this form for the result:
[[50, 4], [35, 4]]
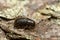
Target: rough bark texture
[[45, 14]]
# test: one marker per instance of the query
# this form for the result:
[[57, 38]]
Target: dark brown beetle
[[24, 23]]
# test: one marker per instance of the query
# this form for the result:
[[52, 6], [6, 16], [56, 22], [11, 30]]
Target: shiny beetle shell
[[24, 23]]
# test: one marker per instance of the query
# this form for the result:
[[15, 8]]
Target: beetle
[[24, 23]]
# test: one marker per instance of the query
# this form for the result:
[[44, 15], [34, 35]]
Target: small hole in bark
[[52, 17]]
